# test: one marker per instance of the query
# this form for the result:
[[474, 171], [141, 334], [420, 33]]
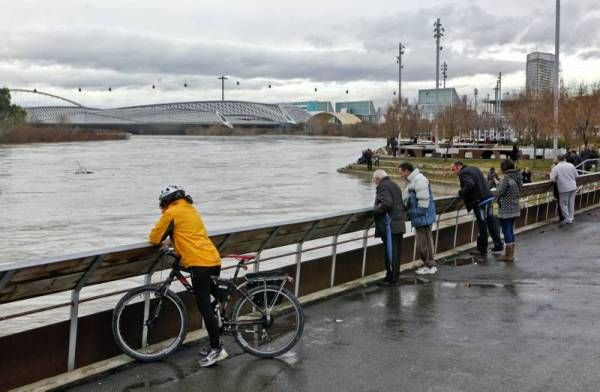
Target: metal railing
[[585, 163], [285, 240]]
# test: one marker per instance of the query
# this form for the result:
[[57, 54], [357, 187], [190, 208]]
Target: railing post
[[263, 246], [587, 199], [6, 277], [414, 244], [537, 210], [437, 233], [75, 311], [333, 259], [147, 281], [526, 210], [73, 329], [456, 228], [473, 220], [298, 261], [547, 204], [334, 248], [299, 255], [365, 243]]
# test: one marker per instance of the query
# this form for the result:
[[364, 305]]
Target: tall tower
[[540, 73]]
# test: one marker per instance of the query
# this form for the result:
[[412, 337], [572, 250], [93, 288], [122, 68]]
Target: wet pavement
[[531, 326]]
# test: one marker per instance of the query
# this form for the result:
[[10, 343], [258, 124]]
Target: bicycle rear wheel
[[261, 336], [148, 326]]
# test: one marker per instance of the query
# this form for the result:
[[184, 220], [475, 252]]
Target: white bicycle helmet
[[169, 190]]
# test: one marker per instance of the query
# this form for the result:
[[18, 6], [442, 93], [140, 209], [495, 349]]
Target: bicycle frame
[[239, 289]]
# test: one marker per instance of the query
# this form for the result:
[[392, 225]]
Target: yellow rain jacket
[[190, 238]]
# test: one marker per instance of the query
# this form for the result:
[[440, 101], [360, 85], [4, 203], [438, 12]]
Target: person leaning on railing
[[181, 224], [508, 194], [389, 223], [478, 197], [418, 199]]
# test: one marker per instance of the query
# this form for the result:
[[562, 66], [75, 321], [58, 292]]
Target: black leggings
[[203, 287]]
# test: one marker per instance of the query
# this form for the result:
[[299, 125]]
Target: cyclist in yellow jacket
[[182, 225]]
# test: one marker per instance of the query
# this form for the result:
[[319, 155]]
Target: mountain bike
[[150, 322]]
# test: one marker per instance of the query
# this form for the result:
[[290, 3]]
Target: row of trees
[[531, 118], [10, 115]]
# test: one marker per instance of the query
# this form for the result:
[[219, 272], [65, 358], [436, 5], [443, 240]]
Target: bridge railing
[[353, 255]]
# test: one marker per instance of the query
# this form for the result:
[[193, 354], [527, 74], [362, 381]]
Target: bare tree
[[581, 114]]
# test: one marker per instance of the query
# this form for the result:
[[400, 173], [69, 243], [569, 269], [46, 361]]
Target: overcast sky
[[334, 46]]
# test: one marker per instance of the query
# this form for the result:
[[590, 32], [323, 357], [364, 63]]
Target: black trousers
[[487, 222], [203, 287], [392, 267]]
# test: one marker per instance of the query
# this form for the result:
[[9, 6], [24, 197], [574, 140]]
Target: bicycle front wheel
[[268, 322], [147, 325]]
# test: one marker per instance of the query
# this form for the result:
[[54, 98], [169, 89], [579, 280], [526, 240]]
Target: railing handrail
[[7, 268], [587, 160]]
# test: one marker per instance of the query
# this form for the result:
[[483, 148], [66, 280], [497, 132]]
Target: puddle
[[460, 261], [412, 280], [490, 285]]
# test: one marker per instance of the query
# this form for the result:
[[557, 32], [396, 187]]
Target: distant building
[[365, 110], [539, 73], [430, 107], [315, 106]]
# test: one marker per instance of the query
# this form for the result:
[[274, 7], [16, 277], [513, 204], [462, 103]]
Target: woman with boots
[[508, 194]]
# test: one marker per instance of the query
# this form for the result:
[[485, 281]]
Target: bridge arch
[[322, 119], [20, 90]]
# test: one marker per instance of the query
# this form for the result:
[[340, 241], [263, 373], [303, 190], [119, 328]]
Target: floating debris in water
[[82, 170]]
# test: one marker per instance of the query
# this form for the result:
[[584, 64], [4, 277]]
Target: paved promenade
[[531, 326]]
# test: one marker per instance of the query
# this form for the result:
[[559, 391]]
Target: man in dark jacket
[[388, 201], [478, 197]]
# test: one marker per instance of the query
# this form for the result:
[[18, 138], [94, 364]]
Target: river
[[49, 210]]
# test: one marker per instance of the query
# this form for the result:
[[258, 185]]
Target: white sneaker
[[214, 356], [426, 271]]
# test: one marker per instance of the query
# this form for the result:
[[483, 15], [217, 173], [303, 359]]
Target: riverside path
[[528, 326]]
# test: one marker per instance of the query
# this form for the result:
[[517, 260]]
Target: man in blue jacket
[[418, 198]]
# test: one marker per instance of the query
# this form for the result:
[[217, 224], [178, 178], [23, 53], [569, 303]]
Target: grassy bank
[[31, 134], [438, 169]]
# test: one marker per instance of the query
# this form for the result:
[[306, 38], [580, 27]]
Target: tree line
[[11, 115], [530, 117]]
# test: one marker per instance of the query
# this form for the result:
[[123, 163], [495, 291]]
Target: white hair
[[378, 175]]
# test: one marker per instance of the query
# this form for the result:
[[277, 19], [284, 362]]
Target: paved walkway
[[531, 326]]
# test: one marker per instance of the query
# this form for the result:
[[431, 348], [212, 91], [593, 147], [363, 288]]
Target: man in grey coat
[[388, 203], [564, 175]]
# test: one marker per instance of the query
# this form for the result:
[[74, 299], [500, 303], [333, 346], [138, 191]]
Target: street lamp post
[[222, 78], [401, 48], [438, 33], [556, 78]]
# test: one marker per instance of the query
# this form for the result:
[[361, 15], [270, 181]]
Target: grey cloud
[[360, 49], [589, 54]]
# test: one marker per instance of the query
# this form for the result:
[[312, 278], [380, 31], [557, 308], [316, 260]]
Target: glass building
[[314, 106], [430, 107], [365, 110]]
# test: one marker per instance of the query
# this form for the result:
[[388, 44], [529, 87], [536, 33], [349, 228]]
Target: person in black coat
[[477, 196], [388, 201]]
